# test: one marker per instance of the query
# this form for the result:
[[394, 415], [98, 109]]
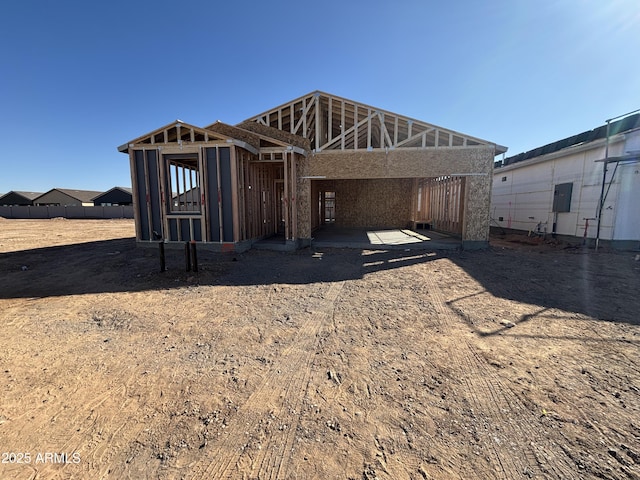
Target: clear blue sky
[[79, 78]]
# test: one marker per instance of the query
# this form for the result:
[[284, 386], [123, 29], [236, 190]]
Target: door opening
[[328, 207]]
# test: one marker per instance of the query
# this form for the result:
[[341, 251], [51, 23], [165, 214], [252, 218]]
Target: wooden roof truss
[[335, 123], [182, 134]]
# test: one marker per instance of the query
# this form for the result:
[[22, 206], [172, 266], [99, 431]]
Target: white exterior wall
[[525, 198]]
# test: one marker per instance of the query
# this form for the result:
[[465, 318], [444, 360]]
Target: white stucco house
[[584, 188]]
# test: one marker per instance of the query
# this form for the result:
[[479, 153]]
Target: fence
[[26, 212]]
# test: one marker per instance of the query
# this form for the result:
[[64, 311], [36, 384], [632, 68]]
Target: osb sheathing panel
[[276, 134], [477, 208], [476, 162], [373, 203], [237, 133], [419, 163], [303, 198]]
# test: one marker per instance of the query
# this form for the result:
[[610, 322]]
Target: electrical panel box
[[562, 197]]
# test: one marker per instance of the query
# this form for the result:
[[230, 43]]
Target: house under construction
[[317, 159]]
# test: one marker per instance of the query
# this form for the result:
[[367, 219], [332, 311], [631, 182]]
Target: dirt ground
[[521, 361]]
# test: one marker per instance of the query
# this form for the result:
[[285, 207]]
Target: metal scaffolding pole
[[605, 165]]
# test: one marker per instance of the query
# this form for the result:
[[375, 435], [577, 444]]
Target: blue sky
[[79, 78]]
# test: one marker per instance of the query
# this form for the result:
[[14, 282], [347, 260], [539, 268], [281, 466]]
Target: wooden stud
[[344, 135], [342, 126], [384, 134], [318, 124], [294, 199], [395, 131], [134, 191], [234, 194], [355, 127], [204, 193], [329, 121], [369, 129], [162, 182], [147, 193], [219, 192], [286, 199]]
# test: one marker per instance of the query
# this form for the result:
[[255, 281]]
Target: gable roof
[[330, 122], [177, 132], [631, 122], [84, 196], [127, 190], [318, 121], [27, 195]]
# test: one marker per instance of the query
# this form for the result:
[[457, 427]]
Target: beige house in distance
[[279, 172]]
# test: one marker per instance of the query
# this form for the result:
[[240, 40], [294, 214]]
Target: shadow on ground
[[602, 285], [118, 266]]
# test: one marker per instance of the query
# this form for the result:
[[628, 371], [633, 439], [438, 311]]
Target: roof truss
[[177, 132], [335, 123]]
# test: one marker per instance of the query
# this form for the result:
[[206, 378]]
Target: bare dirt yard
[[521, 361]]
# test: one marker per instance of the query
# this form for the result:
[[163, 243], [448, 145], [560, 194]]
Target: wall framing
[[266, 176]]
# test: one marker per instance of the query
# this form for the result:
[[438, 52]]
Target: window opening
[[184, 182]]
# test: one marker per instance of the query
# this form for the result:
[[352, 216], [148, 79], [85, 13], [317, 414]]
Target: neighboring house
[[115, 197], [187, 200], [18, 198], [278, 172], [557, 189], [66, 198]]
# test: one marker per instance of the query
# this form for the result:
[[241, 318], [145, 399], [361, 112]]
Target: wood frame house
[[278, 173]]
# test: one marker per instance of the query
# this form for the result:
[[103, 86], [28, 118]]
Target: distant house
[[19, 198], [186, 200], [67, 198], [115, 197], [557, 188]]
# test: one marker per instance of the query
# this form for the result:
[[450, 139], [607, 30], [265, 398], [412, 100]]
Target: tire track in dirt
[[258, 440], [520, 423], [489, 393], [108, 420], [486, 394]]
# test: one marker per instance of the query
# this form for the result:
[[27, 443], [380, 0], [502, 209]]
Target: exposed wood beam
[[330, 121], [342, 136], [415, 137], [395, 130], [347, 132], [303, 118], [369, 128], [355, 133], [384, 134], [318, 121]]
